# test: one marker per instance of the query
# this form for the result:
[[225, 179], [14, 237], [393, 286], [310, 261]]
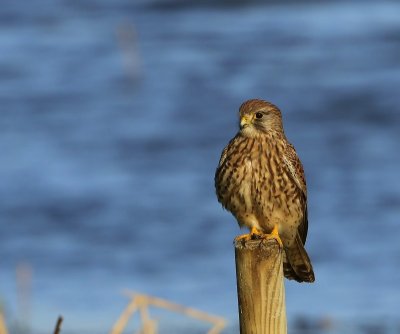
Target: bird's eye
[[259, 115]]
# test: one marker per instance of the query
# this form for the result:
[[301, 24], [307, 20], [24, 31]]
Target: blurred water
[[107, 165]]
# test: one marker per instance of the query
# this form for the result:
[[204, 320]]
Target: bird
[[260, 180]]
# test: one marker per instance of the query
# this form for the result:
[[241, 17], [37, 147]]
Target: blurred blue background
[[113, 118]]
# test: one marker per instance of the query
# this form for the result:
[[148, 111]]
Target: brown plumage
[[260, 179]]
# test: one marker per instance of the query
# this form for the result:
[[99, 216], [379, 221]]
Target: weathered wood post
[[261, 292]]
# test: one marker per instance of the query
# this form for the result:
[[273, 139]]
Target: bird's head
[[259, 116]]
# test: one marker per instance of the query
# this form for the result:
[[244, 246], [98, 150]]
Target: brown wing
[[223, 157], [296, 172], [219, 173], [295, 167], [297, 264]]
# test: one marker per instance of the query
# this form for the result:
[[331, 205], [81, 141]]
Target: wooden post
[[261, 292], [3, 327]]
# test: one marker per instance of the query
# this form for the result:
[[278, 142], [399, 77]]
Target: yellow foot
[[254, 234], [274, 235], [243, 237]]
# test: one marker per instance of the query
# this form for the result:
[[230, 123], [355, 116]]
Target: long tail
[[296, 263]]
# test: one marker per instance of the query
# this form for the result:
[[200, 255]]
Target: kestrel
[[260, 180]]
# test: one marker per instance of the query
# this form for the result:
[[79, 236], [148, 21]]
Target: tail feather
[[288, 270], [296, 263]]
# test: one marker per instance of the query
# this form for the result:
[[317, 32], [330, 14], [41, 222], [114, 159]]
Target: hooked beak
[[244, 121]]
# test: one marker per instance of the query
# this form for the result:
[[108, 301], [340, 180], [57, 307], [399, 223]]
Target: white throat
[[249, 132]]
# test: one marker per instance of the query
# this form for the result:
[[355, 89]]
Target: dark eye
[[259, 115]]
